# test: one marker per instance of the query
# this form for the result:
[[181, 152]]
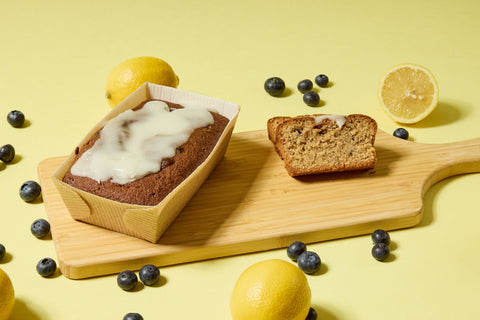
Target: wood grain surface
[[251, 204]]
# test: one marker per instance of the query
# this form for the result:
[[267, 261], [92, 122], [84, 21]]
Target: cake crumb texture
[[308, 147]]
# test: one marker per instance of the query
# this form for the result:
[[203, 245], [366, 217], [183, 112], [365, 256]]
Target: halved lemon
[[408, 93]]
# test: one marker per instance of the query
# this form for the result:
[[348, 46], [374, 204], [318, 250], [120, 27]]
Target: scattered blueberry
[[149, 274], [380, 251], [312, 314], [30, 190], [381, 236], [46, 267], [16, 118], [40, 228], [311, 98], [296, 249], [274, 86], [7, 153], [2, 251], [305, 85], [133, 316], [309, 262], [321, 80], [127, 280], [401, 133]]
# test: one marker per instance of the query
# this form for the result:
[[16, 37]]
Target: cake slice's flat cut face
[[311, 145]]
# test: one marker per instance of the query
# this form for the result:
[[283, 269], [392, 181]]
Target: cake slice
[[324, 143], [272, 125]]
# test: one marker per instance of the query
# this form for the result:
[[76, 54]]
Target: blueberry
[[321, 80], [311, 98], [312, 314], [305, 85], [274, 86], [309, 262], [295, 249], [40, 228], [127, 280], [30, 190], [2, 251], [133, 316], [7, 153], [149, 274], [46, 267], [381, 236], [401, 133], [380, 251], [16, 118]]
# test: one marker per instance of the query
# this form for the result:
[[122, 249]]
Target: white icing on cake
[[340, 120], [133, 144]]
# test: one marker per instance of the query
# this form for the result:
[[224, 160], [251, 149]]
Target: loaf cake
[[312, 144], [155, 174]]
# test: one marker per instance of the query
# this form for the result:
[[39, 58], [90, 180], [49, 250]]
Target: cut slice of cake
[[272, 125], [324, 143]]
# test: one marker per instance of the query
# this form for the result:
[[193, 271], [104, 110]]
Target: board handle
[[464, 156], [456, 158]]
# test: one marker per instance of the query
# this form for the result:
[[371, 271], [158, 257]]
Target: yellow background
[[55, 57]]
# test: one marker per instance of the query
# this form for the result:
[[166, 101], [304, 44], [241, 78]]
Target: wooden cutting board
[[251, 204]]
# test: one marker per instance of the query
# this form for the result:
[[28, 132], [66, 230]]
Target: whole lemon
[[7, 296], [271, 290], [132, 73]]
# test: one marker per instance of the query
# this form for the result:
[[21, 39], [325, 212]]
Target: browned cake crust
[[153, 188], [309, 148], [272, 125]]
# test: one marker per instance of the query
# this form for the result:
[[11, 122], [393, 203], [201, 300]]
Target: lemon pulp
[[408, 93]]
